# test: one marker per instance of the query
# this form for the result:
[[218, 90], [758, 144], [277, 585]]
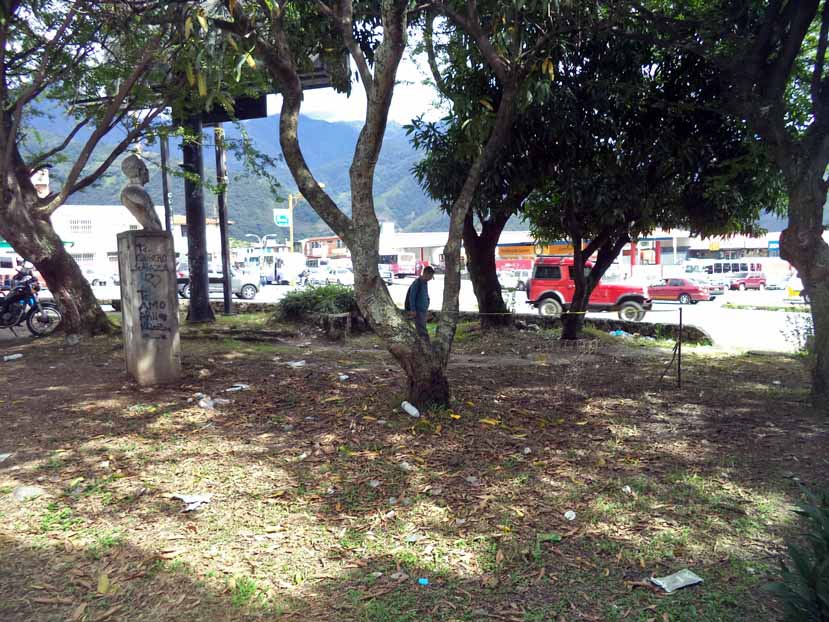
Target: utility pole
[[193, 163], [165, 185], [221, 180]]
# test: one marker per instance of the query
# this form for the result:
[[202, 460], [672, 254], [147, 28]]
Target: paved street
[[730, 328]]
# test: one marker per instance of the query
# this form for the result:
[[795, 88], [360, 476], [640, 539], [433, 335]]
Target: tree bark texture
[[199, 309], [35, 239], [480, 261], [607, 245], [802, 245]]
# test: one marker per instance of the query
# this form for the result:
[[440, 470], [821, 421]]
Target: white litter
[[295, 364], [410, 409], [570, 515], [192, 502], [677, 581], [239, 386]]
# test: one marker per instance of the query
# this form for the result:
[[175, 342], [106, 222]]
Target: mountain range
[[328, 148]]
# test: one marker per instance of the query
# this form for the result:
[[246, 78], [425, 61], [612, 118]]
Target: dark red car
[[748, 280], [551, 289], [685, 291]]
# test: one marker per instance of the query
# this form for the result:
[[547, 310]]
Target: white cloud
[[411, 98]]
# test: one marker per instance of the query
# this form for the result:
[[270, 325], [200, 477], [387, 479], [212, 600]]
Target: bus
[[700, 267], [400, 264]]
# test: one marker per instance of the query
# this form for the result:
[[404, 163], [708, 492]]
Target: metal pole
[[193, 164], [679, 354], [221, 198], [165, 183], [291, 233]]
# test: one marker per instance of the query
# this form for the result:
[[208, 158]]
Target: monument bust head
[[135, 170]]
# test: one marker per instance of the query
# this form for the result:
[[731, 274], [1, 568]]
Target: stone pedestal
[[149, 306]]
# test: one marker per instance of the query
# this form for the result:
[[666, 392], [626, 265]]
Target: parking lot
[[740, 329]]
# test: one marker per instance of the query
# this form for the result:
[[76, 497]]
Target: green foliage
[[301, 305], [804, 588]]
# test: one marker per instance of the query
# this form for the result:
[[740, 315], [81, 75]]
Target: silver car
[[242, 285]]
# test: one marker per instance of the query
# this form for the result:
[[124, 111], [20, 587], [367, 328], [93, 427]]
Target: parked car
[[242, 285], [748, 280], [551, 288], [386, 274], [317, 276], [508, 280], [340, 276], [685, 291], [96, 279]]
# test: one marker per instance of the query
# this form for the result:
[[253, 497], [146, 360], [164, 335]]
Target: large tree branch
[[471, 24], [820, 56], [431, 56], [370, 140], [344, 20], [780, 70], [278, 59], [120, 148], [452, 281], [43, 157], [104, 125], [56, 43]]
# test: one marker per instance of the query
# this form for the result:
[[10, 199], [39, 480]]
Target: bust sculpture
[[135, 198]]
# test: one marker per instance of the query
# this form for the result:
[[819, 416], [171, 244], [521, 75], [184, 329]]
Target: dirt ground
[[330, 503]]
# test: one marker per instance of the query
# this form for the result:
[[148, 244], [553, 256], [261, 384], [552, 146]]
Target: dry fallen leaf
[[103, 584], [78, 613]]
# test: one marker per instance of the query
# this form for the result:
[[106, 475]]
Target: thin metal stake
[[679, 353]]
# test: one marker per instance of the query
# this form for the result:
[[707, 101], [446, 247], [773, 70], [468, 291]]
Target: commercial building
[[90, 234]]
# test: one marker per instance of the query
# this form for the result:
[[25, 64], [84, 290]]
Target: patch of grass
[[243, 320], [58, 518], [398, 606], [244, 591], [793, 308], [104, 543]]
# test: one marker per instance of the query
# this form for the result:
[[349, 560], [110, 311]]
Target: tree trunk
[[802, 245], [199, 310], [480, 256], [35, 240], [425, 370], [608, 244], [572, 320]]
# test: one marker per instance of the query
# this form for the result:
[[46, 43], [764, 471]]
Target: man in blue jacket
[[417, 301]]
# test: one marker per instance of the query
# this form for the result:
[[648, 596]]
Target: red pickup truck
[[551, 288]]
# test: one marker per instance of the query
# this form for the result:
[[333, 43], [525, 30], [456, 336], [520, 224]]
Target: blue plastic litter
[[423, 581]]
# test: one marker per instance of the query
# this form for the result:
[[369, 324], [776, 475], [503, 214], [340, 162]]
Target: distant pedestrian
[[417, 301]]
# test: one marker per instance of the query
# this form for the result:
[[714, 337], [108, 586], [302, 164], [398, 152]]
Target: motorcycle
[[21, 304]]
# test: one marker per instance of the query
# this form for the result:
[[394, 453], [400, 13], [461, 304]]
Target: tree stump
[[337, 326]]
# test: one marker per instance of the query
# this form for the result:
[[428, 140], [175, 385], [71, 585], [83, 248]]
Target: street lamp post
[[293, 199], [262, 242]]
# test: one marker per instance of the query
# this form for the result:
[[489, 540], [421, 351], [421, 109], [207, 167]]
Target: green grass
[[58, 518], [792, 308], [104, 543], [244, 591]]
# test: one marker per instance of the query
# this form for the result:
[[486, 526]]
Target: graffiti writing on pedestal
[[153, 280]]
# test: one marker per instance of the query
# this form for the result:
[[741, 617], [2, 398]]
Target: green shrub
[[302, 305], [804, 589]]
